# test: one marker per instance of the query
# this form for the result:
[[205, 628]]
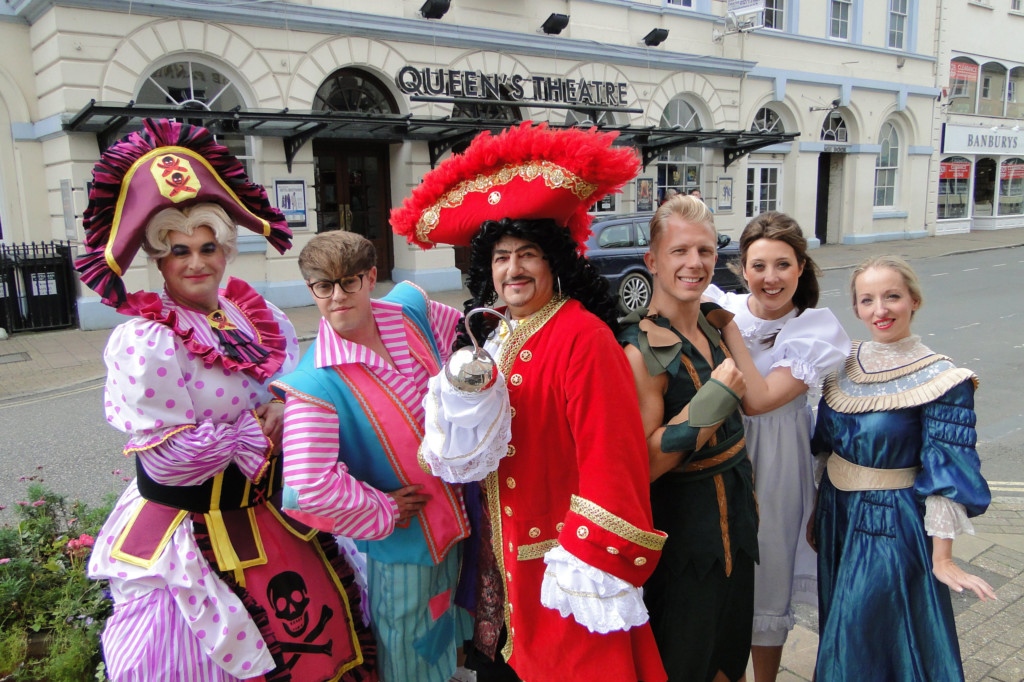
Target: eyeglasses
[[323, 288]]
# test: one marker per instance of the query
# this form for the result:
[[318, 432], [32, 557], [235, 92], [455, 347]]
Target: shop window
[[767, 121], [774, 14], [993, 89], [834, 128], [762, 190], [984, 186], [1011, 187], [886, 167], [839, 19], [897, 23], [963, 85], [954, 183], [680, 169], [194, 85]]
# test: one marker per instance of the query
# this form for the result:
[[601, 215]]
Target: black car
[[617, 246]]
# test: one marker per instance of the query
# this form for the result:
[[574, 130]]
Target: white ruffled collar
[[755, 328]]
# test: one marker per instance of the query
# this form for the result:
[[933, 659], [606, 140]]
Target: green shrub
[[51, 613]]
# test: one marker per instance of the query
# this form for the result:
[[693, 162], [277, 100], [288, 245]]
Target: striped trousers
[[414, 617]]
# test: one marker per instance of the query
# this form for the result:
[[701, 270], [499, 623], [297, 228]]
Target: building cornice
[[284, 15]]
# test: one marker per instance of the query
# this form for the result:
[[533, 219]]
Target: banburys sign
[[431, 83], [981, 140]]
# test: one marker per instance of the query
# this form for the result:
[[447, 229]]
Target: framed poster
[[645, 194], [724, 194], [291, 200]]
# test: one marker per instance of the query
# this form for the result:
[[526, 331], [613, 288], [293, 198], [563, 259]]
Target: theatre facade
[[339, 113]]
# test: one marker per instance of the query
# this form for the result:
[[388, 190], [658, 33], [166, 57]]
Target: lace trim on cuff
[[465, 434], [597, 600], [801, 371], [944, 518]]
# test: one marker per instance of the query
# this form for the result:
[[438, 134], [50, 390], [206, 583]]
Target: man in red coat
[[557, 442]]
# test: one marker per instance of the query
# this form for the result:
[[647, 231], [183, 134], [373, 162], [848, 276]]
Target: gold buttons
[[559, 526], [510, 482], [511, 548], [535, 532], [612, 550], [493, 198], [513, 410], [511, 451], [508, 511], [516, 379], [526, 355], [640, 561], [508, 577], [582, 532]]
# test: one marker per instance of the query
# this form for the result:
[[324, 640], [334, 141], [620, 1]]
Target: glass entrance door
[[352, 187]]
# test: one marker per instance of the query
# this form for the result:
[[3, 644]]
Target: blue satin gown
[[882, 614]]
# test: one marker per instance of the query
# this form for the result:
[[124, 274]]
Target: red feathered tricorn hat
[[526, 172], [167, 164]]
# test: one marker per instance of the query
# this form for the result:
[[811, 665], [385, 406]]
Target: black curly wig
[[577, 277]]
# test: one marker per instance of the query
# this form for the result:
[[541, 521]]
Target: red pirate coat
[[576, 474]]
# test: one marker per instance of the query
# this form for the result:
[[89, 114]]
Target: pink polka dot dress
[[189, 413]]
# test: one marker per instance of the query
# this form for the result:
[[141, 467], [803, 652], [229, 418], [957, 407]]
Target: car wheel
[[634, 292]]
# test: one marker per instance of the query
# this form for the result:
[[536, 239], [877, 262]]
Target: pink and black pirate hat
[[167, 164]]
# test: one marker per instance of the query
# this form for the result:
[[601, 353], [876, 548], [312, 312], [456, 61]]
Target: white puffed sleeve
[[811, 345]]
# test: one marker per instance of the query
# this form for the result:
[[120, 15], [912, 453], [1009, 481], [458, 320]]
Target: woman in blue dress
[[896, 423]]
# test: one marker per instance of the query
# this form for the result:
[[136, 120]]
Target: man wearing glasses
[[353, 423]]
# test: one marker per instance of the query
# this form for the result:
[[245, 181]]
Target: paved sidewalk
[[991, 633]]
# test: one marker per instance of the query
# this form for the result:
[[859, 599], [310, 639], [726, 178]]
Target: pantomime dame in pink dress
[[210, 580]]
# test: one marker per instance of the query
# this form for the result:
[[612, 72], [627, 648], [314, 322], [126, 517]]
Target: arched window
[[833, 128], [193, 85], [767, 121], [886, 166], [356, 91], [680, 169], [1015, 93], [954, 183], [963, 85], [992, 101], [1011, 187]]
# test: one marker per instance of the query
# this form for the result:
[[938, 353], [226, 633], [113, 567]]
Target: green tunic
[[700, 596]]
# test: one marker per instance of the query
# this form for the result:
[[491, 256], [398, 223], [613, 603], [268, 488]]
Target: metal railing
[[37, 287]]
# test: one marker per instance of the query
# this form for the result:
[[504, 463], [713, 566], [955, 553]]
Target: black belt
[[236, 491]]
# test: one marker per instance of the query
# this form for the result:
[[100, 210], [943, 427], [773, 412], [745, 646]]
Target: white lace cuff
[[465, 434], [598, 601], [944, 518], [806, 372]]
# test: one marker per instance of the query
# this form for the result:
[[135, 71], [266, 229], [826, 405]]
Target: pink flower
[[86, 540], [39, 503], [4, 561]]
